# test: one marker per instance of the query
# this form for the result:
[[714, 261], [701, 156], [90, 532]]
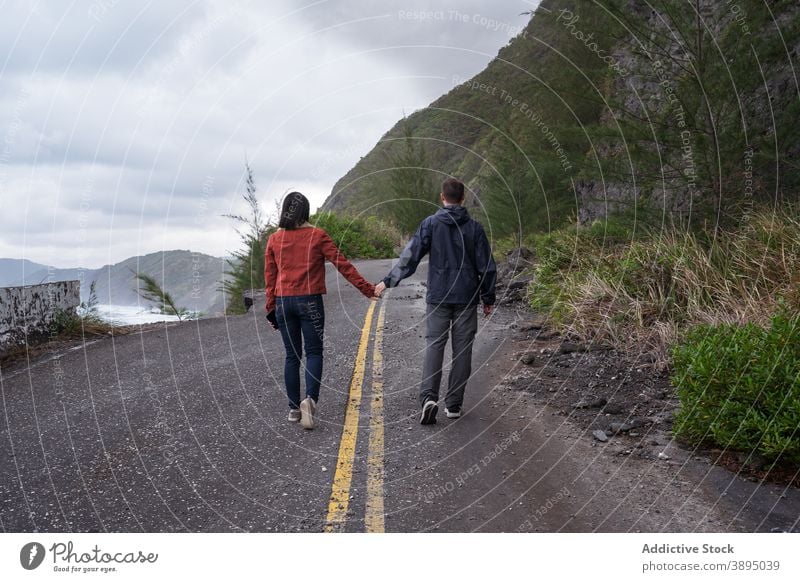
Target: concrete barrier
[[27, 313]]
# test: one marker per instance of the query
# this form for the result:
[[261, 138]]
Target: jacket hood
[[452, 215]]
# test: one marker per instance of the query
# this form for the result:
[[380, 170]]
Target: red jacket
[[295, 264]]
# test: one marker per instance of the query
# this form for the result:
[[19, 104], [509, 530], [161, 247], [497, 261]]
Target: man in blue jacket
[[461, 274]]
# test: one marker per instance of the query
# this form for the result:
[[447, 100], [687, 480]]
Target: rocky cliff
[[668, 107]]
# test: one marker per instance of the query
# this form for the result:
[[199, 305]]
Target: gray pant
[[443, 320]]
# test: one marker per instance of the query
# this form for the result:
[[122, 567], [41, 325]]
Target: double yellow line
[[373, 518], [340, 489]]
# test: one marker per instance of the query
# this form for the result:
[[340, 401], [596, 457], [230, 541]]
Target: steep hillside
[[683, 108], [457, 129]]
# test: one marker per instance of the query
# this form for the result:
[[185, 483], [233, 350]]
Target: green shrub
[[358, 238], [565, 256], [246, 267], [72, 324], [739, 387], [65, 323]]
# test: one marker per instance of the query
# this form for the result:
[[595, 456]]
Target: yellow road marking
[[340, 490], [373, 519]]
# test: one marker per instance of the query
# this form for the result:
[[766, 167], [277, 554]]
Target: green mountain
[[193, 279], [671, 109]]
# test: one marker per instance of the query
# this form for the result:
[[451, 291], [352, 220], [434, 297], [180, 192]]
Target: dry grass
[[642, 294]]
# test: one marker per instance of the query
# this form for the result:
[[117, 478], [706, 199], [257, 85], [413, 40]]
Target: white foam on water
[[132, 314]]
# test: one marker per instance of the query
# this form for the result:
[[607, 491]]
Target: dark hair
[[453, 191], [295, 211]]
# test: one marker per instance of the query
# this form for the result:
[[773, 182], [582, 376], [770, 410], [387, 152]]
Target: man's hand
[[379, 289], [487, 310]]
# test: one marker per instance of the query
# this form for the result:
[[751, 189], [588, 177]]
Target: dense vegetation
[[643, 289], [359, 238], [740, 387], [686, 107]]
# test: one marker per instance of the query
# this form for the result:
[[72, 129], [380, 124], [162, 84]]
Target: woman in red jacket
[[294, 271]]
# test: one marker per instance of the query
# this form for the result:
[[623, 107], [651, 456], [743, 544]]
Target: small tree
[[150, 290], [247, 265], [413, 191], [87, 310]]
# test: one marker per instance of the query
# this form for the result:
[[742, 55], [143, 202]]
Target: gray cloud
[[124, 126], [84, 36], [473, 24]]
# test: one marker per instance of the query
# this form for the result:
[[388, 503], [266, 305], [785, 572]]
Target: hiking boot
[[429, 410], [294, 415], [453, 412], [308, 409]]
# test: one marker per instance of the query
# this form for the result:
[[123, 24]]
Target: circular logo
[[31, 555]]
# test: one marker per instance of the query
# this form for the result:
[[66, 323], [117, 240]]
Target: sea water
[[132, 314]]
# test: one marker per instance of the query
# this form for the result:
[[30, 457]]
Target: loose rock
[[631, 424], [615, 428], [589, 403], [613, 408], [519, 284], [569, 347], [533, 326]]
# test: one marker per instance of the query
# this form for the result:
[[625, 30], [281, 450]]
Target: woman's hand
[[273, 321], [379, 288]]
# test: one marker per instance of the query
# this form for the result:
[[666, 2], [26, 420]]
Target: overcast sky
[[124, 125]]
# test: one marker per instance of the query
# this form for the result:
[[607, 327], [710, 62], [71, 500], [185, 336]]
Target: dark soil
[[621, 395]]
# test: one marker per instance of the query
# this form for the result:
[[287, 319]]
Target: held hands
[[487, 310], [379, 289], [272, 319]]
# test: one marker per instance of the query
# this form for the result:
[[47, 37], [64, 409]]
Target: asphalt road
[[184, 429]]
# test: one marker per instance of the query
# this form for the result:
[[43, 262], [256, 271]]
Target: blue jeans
[[301, 320]]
